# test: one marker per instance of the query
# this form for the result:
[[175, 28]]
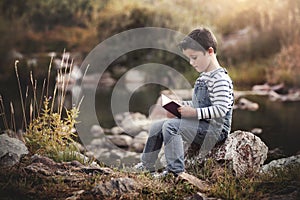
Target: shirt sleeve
[[187, 103], [221, 98]]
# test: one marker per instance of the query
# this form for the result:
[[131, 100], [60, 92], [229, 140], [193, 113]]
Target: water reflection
[[279, 121]]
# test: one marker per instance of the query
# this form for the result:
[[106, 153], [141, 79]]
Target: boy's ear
[[210, 50]]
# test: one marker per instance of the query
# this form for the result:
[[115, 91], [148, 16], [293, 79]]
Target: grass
[[49, 127], [224, 184]]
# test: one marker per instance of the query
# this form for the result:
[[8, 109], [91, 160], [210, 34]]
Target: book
[[170, 105]]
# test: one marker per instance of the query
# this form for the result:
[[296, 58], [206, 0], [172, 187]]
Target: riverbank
[[39, 177]]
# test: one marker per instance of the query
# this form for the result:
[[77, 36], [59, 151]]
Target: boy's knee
[[170, 127]]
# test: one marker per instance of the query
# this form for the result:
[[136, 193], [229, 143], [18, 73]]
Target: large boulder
[[11, 150], [243, 150], [246, 151]]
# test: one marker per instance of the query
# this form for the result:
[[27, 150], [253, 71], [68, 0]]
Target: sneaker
[[158, 175]]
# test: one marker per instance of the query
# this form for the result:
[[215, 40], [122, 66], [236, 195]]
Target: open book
[[170, 105]]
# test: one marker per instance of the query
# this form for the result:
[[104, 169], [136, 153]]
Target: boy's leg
[[175, 131], [153, 145]]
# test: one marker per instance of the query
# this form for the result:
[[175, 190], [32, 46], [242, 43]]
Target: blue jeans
[[172, 133]]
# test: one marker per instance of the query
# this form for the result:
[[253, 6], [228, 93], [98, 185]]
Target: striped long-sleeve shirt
[[220, 92]]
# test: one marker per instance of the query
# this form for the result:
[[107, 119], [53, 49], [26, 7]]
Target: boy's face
[[199, 60]]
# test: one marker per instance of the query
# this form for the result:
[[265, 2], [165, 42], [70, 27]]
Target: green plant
[[287, 66], [49, 129], [50, 135]]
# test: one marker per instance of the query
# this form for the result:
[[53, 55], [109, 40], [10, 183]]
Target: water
[[278, 120]]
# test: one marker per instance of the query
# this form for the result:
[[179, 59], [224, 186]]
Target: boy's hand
[[170, 115], [187, 111]]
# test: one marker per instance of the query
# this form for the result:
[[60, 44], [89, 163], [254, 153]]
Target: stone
[[120, 140], [76, 195], [256, 131], [109, 153], [275, 154], [134, 123], [201, 196], [116, 130], [97, 131], [11, 150], [115, 186], [203, 186], [281, 163], [48, 167], [139, 142], [246, 104], [245, 150]]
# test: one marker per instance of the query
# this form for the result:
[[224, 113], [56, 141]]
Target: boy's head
[[199, 40]]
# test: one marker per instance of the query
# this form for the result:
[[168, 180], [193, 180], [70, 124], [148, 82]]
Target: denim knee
[[169, 129]]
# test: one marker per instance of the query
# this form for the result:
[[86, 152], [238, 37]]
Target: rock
[[115, 186], [201, 196], [76, 195], [281, 163], [139, 142], [134, 123], [106, 152], [257, 131], [203, 186], [72, 170], [245, 104], [97, 131], [120, 140], [245, 150], [11, 150], [275, 154], [116, 130]]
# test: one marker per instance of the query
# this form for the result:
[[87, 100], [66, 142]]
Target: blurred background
[[258, 43]]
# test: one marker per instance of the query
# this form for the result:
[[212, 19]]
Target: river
[[279, 121]]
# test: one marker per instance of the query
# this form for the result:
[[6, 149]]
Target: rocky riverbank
[[240, 158]]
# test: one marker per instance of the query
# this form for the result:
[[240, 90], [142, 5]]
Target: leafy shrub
[[50, 135], [268, 28], [115, 19], [287, 67], [49, 130]]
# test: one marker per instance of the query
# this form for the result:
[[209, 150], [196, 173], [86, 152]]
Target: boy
[[206, 119]]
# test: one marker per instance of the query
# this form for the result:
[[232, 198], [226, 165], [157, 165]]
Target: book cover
[[170, 105]]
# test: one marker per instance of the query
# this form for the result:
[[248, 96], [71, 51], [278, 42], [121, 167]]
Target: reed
[[20, 92], [48, 124], [3, 113]]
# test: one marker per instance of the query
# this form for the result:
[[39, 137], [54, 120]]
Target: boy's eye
[[194, 57]]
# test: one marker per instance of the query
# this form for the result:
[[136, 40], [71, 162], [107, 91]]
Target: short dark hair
[[199, 39]]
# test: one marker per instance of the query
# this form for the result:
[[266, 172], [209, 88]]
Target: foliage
[[226, 185], [15, 182], [262, 26], [44, 15], [113, 19], [287, 66], [49, 130], [49, 135]]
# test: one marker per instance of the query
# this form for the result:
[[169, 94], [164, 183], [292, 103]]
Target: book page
[[165, 100]]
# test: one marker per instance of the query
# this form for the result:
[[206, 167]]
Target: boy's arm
[[222, 101], [187, 103]]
